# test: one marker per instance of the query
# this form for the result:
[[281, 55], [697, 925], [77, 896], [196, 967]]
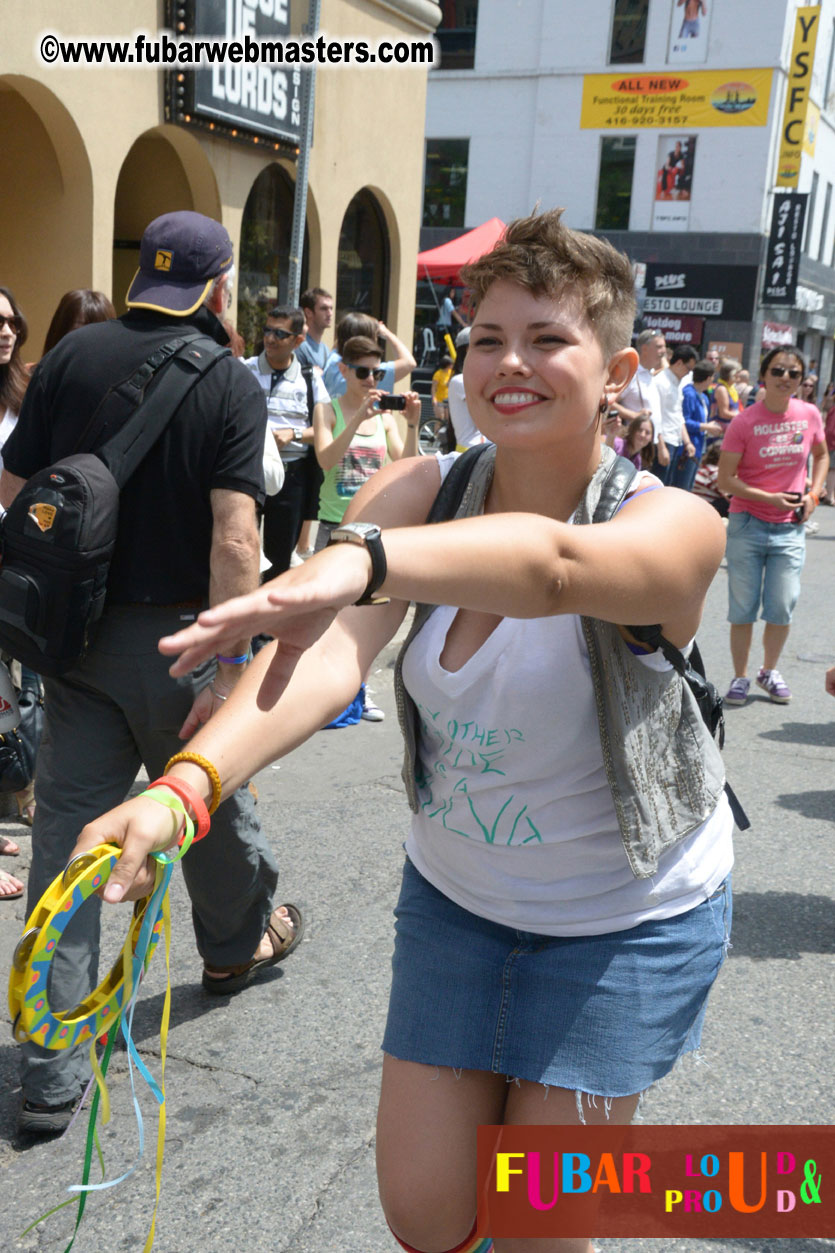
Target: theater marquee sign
[[253, 103]]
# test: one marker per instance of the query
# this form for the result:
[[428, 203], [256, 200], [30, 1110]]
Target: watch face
[[360, 532]]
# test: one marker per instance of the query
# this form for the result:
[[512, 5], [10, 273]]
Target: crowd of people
[[540, 855], [762, 457]]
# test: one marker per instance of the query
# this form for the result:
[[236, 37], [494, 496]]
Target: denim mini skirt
[[606, 1015]]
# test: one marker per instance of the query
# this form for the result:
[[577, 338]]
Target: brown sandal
[[283, 941]]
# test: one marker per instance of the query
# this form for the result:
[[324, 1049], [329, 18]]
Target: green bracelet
[[172, 802]]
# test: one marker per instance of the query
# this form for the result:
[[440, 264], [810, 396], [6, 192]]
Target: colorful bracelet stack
[[185, 794], [214, 778]]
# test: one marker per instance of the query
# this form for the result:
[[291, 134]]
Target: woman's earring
[[603, 406]]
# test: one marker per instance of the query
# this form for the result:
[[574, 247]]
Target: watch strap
[[372, 540]]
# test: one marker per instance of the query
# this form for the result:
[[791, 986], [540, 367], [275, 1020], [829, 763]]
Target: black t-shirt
[[216, 439]]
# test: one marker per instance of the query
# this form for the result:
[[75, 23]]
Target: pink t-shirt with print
[[775, 448]]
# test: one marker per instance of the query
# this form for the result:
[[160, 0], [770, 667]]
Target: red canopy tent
[[444, 264]]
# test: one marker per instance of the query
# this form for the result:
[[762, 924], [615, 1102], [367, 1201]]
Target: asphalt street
[[271, 1094]]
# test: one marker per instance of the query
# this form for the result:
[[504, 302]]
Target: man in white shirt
[[670, 384], [640, 398], [292, 391]]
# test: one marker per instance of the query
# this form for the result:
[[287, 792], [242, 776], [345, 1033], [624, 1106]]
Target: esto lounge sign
[[712, 291]]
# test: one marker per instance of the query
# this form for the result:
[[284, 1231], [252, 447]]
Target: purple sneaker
[[772, 682], [737, 693]]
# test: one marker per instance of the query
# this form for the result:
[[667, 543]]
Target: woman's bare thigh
[[426, 1148]]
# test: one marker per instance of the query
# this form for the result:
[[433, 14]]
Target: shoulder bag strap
[[186, 361], [126, 393]]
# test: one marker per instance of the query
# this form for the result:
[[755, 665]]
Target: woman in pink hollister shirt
[[763, 468]]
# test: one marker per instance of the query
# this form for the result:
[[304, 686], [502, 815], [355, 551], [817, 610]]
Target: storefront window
[[362, 279], [629, 31], [614, 185], [445, 182], [456, 34], [265, 251]]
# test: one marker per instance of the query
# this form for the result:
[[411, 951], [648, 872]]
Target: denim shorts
[[765, 560], [606, 1015]]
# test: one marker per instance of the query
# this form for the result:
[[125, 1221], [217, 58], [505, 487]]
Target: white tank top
[[516, 819]]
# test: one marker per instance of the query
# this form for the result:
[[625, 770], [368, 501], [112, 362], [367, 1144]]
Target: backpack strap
[[150, 408], [127, 391], [615, 488], [307, 373], [451, 492]]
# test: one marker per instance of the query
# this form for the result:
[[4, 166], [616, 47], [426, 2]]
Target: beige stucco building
[[91, 155]]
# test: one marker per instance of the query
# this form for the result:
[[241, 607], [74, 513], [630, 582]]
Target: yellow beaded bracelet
[[206, 765]]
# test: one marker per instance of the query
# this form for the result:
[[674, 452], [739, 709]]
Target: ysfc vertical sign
[[806, 26]]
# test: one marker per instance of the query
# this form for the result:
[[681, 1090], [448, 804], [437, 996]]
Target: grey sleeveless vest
[[665, 772]]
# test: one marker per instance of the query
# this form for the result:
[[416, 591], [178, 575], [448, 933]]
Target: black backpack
[[58, 536], [614, 490]]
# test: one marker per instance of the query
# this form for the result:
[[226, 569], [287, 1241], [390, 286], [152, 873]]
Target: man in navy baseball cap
[[187, 538], [180, 256]]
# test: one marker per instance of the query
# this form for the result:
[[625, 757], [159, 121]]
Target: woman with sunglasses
[[354, 434], [763, 469], [808, 390]]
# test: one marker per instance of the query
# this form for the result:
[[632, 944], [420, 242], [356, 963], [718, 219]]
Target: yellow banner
[[810, 130], [676, 101], [793, 133]]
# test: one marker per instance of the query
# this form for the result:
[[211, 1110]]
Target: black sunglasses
[[779, 370], [275, 332], [363, 371], [14, 323]]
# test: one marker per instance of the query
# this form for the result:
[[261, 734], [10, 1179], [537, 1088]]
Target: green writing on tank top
[[462, 750]]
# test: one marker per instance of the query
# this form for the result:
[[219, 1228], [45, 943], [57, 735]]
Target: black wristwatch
[[370, 535]]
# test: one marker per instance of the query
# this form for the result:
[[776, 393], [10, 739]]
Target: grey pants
[[117, 710]]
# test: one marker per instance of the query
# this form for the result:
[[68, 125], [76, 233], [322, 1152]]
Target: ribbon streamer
[[110, 1006]]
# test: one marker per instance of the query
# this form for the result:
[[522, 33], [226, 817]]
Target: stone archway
[[264, 255], [363, 278], [46, 210]]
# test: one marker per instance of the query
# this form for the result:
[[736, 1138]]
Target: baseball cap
[[462, 339], [180, 256]]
